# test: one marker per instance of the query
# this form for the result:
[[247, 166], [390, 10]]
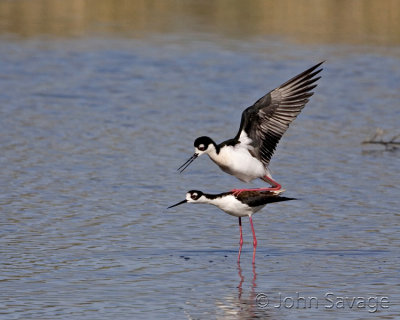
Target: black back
[[259, 198], [251, 198]]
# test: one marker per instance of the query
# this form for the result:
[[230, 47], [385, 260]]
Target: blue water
[[92, 131]]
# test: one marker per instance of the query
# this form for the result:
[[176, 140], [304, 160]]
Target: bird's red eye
[[194, 196], [201, 147]]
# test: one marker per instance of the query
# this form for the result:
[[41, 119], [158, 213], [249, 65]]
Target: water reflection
[[253, 282], [243, 307], [369, 21]]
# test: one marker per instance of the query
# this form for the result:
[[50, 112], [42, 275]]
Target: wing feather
[[269, 117]]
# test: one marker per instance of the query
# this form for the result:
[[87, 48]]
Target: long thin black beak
[[188, 162], [177, 204]]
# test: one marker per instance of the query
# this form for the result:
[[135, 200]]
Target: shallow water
[[92, 130]]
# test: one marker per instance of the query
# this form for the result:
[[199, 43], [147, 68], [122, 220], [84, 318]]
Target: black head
[[202, 144], [194, 195], [191, 196]]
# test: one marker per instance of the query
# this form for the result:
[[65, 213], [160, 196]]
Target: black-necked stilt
[[244, 204], [247, 155]]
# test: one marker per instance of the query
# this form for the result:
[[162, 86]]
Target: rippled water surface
[[92, 130]]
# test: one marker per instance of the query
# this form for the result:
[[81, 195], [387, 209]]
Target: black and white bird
[[244, 204], [248, 154]]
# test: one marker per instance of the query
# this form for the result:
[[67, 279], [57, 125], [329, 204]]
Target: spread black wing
[[268, 118]]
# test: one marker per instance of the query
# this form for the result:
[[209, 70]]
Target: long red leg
[[275, 187], [254, 239], [241, 239]]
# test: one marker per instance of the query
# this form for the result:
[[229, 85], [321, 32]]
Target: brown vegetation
[[327, 21]]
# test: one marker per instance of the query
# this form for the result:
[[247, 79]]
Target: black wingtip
[[314, 68], [309, 70], [318, 64], [306, 76]]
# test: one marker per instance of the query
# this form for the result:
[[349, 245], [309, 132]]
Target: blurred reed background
[[352, 21]]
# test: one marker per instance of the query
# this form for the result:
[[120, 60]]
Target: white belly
[[239, 162], [234, 207]]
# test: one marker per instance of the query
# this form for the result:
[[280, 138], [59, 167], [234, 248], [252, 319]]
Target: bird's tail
[[279, 199]]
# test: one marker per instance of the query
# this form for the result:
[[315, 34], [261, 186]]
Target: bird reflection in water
[[242, 304], [252, 294], [246, 305]]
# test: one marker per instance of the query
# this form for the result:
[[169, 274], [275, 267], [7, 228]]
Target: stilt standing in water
[[245, 204]]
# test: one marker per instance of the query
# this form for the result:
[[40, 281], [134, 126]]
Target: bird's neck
[[206, 199], [221, 202], [221, 156], [214, 151]]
